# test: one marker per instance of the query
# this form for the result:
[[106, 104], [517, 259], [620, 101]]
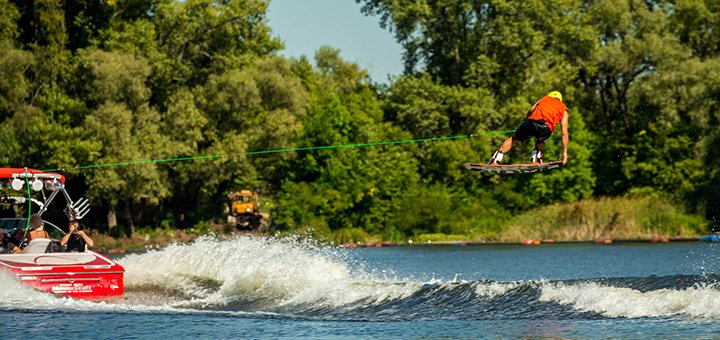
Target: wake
[[293, 278]]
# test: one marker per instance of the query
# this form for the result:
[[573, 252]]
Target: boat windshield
[[20, 223]]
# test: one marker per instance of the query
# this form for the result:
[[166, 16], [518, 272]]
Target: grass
[[615, 218], [441, 238], [159, 237]]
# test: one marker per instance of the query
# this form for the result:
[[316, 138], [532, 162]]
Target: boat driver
[[76, 240], [37, 229]]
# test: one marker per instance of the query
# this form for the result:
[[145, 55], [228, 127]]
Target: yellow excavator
[[244, 210]]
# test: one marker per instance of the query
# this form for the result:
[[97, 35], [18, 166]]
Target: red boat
[[85, 275]]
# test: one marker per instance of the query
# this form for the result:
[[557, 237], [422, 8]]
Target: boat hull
[[86, 275]]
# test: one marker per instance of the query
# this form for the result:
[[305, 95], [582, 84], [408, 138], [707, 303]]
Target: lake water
[[269, 288]]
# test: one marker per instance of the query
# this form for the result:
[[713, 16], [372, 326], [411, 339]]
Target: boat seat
[[36, 246]]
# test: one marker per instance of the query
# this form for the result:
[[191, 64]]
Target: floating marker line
[[307, 148]]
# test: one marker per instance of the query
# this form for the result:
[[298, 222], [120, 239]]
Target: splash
[[292, 277], [698, 301], [250, 273]]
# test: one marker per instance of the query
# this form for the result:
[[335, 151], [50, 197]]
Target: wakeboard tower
[[514, 168]]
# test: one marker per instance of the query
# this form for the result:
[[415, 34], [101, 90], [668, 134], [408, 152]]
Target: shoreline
[[164, 242], [521, 243]]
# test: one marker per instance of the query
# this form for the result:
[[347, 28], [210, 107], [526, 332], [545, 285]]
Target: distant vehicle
[[244, 211]]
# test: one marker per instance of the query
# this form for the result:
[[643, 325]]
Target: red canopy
[[9, 172]]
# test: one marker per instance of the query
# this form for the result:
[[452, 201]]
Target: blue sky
[[305, 25]]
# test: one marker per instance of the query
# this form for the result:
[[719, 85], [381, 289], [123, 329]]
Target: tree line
[[99, 82]]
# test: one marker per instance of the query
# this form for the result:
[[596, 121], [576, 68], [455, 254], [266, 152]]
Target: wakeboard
[[514, 168]]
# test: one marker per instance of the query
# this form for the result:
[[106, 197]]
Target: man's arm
[[565, 137], [65, 238], [87, 239]]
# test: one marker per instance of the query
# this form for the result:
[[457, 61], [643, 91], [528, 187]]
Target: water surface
[[270, 288]]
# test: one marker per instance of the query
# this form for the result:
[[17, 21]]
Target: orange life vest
[[550, 110]]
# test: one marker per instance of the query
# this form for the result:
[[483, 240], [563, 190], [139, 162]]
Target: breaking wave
[[291, 278]]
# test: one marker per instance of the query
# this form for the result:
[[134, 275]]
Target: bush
[[621, 217]]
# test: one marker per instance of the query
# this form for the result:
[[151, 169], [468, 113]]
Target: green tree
[[638, 47], [355, 187], [113, 76], [126, 135], [9, 16], [634, 43], [494, 44], [14, 84], [127, 128], [428, 109], [696, 23], [676, 151], [44, 32]]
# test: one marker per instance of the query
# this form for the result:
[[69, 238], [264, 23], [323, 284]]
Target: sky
[[305, 25]]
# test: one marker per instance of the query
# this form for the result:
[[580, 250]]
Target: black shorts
[[532, 128]]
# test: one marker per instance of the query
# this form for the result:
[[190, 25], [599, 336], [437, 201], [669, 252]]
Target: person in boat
[[8, 245], [540, 122], [76, 240], [37, 228]]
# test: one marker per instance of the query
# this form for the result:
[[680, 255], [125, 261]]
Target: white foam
[[703, 301], [286, 272], [493, 289], [16, 294]]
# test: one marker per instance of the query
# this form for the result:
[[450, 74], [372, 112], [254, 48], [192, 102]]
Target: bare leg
[[500, 153], [507, 144], [539, 145]]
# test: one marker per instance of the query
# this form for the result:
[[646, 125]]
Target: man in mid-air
[[540, 122]]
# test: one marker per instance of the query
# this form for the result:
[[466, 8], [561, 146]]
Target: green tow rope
[[27, 223], [308, 148]]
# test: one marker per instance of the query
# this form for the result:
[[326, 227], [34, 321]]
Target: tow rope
[[261, 152]]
